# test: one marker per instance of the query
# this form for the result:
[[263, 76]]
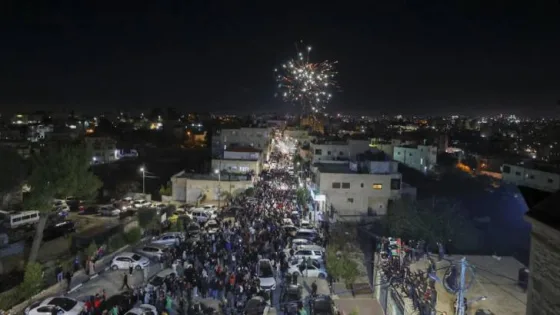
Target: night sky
[[394, 56]]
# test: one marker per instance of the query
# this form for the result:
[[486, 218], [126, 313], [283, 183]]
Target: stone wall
[[544, 282]]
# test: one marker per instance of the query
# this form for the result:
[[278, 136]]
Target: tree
[[348, 270], [60, 172], [32, 280], [147, 217], [13, 172], [124, 187], [435, 220], [165, 190], [303, 196], [250, 192]]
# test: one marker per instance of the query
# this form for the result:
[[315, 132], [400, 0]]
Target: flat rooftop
[[213, 177], [495, 279], [243, 150], [540, 166], [334, 168]]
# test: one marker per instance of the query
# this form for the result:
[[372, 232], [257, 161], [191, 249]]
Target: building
[[422, 157], [543, 291], [537, 176], [103, 149], [337, 150], [300, 135], [36, 133], [191, 188], [258, 138], [356, 189], [239, 160]]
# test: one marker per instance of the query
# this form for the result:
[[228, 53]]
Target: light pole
[[143, 170], [219, 186]]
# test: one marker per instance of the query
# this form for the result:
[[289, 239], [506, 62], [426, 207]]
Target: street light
[[219, 186], [143, 170]]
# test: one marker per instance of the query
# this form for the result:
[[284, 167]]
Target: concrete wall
[[532, 178], [194, 188], [422, 158], [329, 152], [544, 265]]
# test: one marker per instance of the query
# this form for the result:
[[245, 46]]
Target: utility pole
[[462, 289]]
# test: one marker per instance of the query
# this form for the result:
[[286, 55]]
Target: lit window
[[378, 186]]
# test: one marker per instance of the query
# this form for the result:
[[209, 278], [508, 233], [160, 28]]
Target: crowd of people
[[222, 265], [396, 257]]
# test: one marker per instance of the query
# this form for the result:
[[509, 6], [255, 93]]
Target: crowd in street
[[222, 265]]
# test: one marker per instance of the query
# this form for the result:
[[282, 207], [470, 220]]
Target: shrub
[[9, 298], [91, 250], [32, 281], [133, 236], [116, 242]]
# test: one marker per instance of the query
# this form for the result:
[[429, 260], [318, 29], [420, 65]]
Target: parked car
[[141, 203], [124, 261], [309, 254], [201, 216], [56, 305], [255, 306], [324, 305], [168, 239], [59, 229], [124, 301], [290, 230], [309, 234], [308, 268], [88, 210], [212, 227], [158, 280], [143, 309], [109, 210], [289, 298], [300, 241], [265, 272], [155, 251]]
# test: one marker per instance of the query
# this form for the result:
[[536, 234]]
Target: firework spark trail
[[306, 84]]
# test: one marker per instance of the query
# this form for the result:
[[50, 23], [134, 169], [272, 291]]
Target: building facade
[[239, 161], [528, 176], [422, 158], [543, 292], [103, 149], [190, 188], [355, 191], [258, 138]]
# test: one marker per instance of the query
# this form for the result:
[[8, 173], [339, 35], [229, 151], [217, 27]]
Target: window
[[395, 184], [377, 186], [410, 154], [506, 169], [398, 153], [550, 181], [328, 152], [350, 200], [531, 176], [345, 185], [340, 153], [318, 151], [336, 185], [362, 185], [518, 173]]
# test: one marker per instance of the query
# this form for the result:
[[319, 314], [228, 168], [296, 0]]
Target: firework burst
[[305, 83]]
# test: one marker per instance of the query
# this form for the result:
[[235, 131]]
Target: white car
[[305, 224], [312, 268], [209, 207], [109, 210], [313, 254], [126, 259], [265, 272], [168, 239], [287, 221], [141, 203], [153, 250], [143, 309], [57, 304], [300, 241], [212, 227]]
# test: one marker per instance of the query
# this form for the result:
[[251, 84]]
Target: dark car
[[290, 297], [89, 210], [323, 305], [124, 301], [255, 306], [59, 229], [74, 204]]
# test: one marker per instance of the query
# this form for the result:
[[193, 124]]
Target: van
[[19, 219], [201, 216]]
